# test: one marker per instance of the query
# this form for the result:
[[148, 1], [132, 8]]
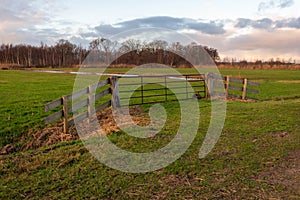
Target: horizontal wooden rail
[[235, 88], [55, 116], [77, 94], [253, 84], [236, 80], [252, 91], [53, 104]]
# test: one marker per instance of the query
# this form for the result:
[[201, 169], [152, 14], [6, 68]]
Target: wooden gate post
[[186, 87], [209, 82], [244, 89], [227, 86], [166, 89], [115, 93], [142, 89], [206, 85], [91, 100], [65, 113]]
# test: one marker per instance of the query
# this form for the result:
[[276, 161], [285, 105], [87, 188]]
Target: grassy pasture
[[256, 149]]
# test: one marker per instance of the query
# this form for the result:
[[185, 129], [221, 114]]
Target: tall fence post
[[90, 103], [206, 85], [244, 89], [186, 87], [65, 113], [209, 82], [166, 89], [115, 93], [142, 89], [227, 85]]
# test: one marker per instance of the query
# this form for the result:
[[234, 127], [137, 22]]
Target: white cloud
[[267, 5], [20, 20], [264, 44], [34, 21]]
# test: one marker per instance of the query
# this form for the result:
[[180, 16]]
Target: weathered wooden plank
[[235, 88], [77, 94], [253, 84], [252, 91], [85, 91], [80, 104], [102, 94], [103, 106], [78, 118], [236, 80], [53, 104], [55, 116], [100, 84]]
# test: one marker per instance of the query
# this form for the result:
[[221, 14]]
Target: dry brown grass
[[55, 134]]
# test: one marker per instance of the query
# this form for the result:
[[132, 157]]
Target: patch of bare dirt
[[53, 135], [285, 175]]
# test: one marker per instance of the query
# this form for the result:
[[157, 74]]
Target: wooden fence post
[[209, 81], [65, 113], [142, 89], [115, 94], [206, 86], [166, 89], [244, 89], [227, 85], [90, 102], [186, 87]]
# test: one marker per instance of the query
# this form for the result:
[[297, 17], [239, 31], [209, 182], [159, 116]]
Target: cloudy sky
[[250, 29]]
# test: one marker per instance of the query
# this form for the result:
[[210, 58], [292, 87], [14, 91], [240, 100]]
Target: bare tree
[[177, 49]]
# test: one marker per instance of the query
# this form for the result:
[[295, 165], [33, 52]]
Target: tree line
[[129, 52], [62, 54], [270, 61]]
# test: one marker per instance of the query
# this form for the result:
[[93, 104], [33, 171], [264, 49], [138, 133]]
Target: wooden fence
[[238, 88], [86, 102], [79, 105]]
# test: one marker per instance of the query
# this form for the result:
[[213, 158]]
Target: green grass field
[[257, 156]]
